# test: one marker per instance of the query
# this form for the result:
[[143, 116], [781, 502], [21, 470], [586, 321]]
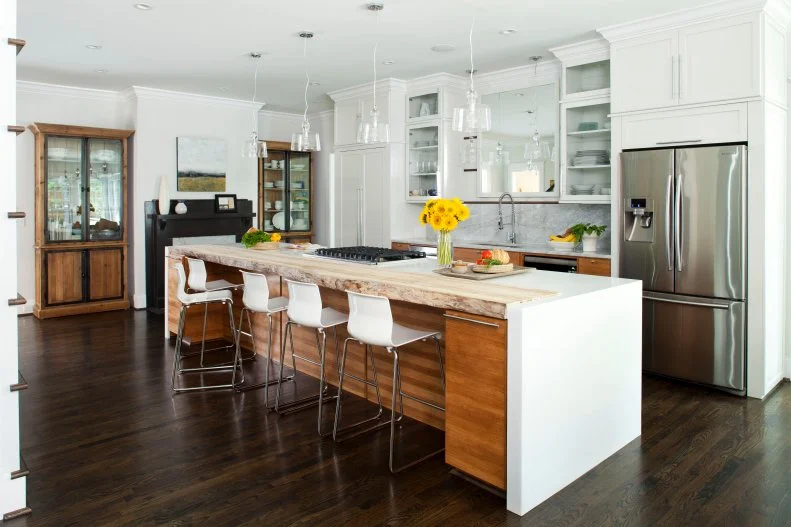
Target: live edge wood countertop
[[479, 298]]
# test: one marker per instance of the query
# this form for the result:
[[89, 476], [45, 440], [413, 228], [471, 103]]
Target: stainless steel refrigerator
[[684, 236]]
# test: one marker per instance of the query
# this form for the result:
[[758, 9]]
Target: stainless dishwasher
[[547, 263]]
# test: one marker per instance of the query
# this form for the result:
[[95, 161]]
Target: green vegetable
[[581, 229], [255, 237], [490, 262]]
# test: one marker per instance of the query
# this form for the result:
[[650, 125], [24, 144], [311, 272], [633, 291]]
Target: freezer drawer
[[695, 339]]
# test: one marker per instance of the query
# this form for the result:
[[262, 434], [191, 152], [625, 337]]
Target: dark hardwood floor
[[107, 444]]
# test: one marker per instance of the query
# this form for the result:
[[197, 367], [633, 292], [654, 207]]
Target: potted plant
[[258, 239], [588, 234], [444, 215]]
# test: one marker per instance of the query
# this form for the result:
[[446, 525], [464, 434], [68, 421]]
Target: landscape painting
[[201, 164]]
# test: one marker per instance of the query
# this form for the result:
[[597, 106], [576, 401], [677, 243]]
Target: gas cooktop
[[368, 255]]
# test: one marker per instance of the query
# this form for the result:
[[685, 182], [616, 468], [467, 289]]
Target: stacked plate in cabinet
[[590, 158]]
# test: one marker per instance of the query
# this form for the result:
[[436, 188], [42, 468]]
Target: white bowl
[[562, 246], [582, 187]]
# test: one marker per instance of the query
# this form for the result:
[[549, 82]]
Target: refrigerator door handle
[[668, 212], [711, 305], [677, 224]]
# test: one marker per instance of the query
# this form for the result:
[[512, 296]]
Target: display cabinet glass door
[[105, 189], [299, 192], [273, 204], [424, 163], [64, 181]]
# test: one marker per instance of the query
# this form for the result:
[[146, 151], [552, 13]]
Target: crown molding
[[144, 93], [42, 88], [545, 72], [274, 114], [580, 52], [361, 90], [445, 79], [685, 17]]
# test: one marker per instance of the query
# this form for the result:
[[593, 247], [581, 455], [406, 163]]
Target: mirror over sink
[[519, 154]]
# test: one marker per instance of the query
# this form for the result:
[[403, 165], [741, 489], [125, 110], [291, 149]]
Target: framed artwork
[[225, 203], [201, 164]]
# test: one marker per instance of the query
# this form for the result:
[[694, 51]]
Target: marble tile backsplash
[[534, 222]]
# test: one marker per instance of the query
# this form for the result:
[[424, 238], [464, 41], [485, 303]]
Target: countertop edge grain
[[403, 287]]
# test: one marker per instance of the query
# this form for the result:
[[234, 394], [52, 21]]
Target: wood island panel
[[475, 418], [594, 266]]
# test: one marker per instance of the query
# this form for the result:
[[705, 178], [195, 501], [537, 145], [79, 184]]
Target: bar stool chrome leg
[[265, 384], [177, 368], [339, 409], [397, 387], [305, 402]]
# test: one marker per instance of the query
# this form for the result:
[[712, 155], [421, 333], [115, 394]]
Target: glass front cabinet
[[81, 242], [285, 192]]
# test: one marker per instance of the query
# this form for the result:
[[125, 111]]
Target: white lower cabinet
[[724, 123], [361, 208]]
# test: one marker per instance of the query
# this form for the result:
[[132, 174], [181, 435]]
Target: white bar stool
[[371, 323], [306, 309], [197, 284], [195, 299], [256, 299]]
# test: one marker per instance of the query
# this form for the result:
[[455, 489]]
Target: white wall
[[162, 116], [60, 105]]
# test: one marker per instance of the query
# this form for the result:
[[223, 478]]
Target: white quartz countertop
[[542, 249]]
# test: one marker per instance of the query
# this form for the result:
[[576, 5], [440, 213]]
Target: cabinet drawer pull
[[17, 129], [18, 301], [455, 317], [16, 215], [681, 141]]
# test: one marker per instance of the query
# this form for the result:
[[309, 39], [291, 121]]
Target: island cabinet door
[[475, 400]]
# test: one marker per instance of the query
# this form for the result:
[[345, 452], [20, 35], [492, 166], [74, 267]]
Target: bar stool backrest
[[181, 294], [304, 304], [197, 278], [370, 319], [256, 292]]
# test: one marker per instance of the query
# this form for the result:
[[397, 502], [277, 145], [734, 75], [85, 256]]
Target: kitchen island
[[543, 369]]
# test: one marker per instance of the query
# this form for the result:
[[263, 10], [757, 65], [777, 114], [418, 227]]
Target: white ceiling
[[201, 47]]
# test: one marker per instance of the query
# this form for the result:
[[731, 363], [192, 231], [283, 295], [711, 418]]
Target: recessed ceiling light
[[442, 48], [315, 83], [144, 7], [93, 46], [388, 62], [507, 31], [255, 54], [520, 94], [100, 70]]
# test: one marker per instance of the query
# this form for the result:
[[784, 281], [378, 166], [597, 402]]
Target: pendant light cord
[[376, 47], [472, 61], [255, 92], [307, 77]]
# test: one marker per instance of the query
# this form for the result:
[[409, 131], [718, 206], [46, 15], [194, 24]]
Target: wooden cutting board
[[483, 276]]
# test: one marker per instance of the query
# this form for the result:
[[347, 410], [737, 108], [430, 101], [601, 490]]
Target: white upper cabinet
[[719, 60], [643, 72], [704, 62]]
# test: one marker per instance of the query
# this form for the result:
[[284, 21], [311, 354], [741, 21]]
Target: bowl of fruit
[[563, 242], [493, 261]]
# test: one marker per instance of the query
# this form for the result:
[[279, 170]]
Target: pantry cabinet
[[362, 214], [704, 62]]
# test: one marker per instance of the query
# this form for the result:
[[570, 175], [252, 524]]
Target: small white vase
[[590, 243], [164, 197], [181, 208]]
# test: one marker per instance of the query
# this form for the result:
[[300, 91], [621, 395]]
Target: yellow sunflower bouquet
[[444, 215]]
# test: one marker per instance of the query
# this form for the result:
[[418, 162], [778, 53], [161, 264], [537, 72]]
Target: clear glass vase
[[444, 249]]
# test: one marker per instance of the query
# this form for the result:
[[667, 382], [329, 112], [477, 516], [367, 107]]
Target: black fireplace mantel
[[200, 220]]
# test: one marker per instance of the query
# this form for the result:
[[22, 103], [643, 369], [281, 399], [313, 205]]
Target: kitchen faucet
[[500, 224]]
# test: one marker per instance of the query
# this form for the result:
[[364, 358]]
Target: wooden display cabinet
[[81, 211], [285, 192]]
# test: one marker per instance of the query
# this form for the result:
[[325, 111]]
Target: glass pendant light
[[500, 157], [304, 141], [474, 117], [534, 152], [372, 130], [255, 147]]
